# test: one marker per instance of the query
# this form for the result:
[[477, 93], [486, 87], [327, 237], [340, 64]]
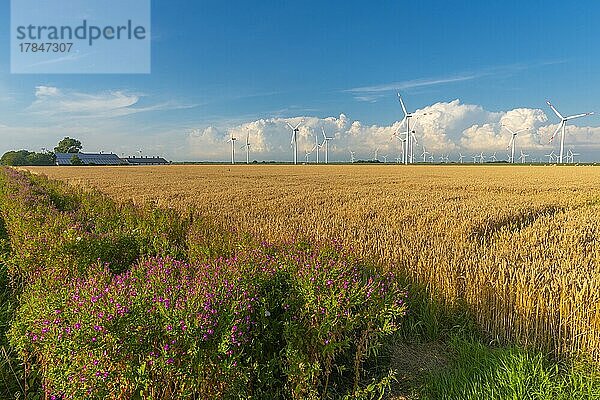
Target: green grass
[[476, 371], [440, 354], [9, 366]]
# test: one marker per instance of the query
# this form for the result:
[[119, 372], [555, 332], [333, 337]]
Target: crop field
[[516, 246], [308, 282]]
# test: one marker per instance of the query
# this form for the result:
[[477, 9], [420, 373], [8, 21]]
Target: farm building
[[146, 161], [89, 159]]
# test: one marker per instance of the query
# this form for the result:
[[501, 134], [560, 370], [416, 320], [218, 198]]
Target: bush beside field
[[110, 300]]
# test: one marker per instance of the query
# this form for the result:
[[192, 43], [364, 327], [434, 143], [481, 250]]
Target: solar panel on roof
[[89, 159]]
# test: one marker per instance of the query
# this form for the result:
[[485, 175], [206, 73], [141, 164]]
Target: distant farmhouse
[[106, 159], [146, 161]]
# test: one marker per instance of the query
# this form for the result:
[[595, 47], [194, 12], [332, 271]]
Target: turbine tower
[[247, 147], [511, 145], [410, 135], [232, 140], [326, 144], [563, 124], [295, 131]]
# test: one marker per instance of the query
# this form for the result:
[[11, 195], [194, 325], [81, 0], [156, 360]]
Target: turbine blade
[[512, 139], [555, 110], [508, 129], [555, 132], [290, 126], [578, 116], [402, 104]]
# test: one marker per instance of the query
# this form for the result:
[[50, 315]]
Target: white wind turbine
[[376, 154], [563, 124], [384, 159], [352, 154], [398, 135], [317, 147], [523, 157], [295, 131], [511, 145], [481, 158], [247, 147], [474, 157], [493, 158], [550, 156], [410, 135], [460, 158], [232, 140], [326, 144], [424, 154], [571, 156], [307, 154]]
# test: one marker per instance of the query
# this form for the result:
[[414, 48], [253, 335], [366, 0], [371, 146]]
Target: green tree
[[68, 145], [14, 158], [24, 157], [75, 160]]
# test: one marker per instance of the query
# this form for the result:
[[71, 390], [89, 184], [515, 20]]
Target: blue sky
[[220, 68]]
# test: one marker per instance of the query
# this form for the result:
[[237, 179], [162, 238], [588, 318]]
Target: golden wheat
[[517, 245]]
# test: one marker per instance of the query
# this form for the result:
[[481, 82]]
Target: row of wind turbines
[[408, 141]]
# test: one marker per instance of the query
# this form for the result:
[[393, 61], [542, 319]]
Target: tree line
[[28, 158]]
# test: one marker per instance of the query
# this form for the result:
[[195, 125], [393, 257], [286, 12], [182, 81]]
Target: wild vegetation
[[108, 300]]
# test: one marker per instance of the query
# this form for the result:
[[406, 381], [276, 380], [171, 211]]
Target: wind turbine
[[326, 144], [571, 156], [563, 124], [424, 154], [431, 158], [511, 145], [317, 147], [493, 158], [550, 157], [306, 155], [295, 131], [384, 159], [481, 158], [352, 156], [376, 154], [232, 140], [247, 147], [402, 140], [410, 134], [474, 157], [523, 157], [460, 158]]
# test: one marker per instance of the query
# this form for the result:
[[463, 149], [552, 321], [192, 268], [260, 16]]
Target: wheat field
[[517, 245]]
